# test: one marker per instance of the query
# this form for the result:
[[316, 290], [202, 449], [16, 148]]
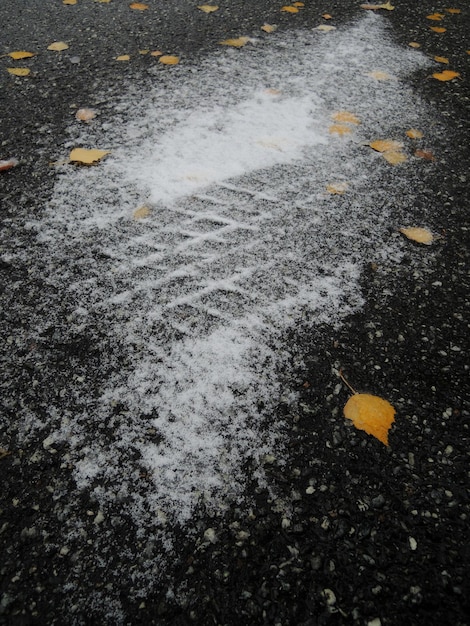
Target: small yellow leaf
[[85, 115], [420, 235], [169, 59], [438, 29], [386, 145], [208, 8], [345, 116], [238, 42], [375, 7], [156, 53], [298, 4], [379, 75], [372, 414], [413, 133], [414, 44], [394, 157], [337, 188], [141, 213], [69, 1], [442, 60], [123, 57], [139, 6], [436, 17], [326, 16], [339, 129], [445, 75], [58, 46], [87, 157], [325, 28], [143, 52], [103, 1], [289, 9], [19, 71], [20, 54], [453, 11], [269, 28]]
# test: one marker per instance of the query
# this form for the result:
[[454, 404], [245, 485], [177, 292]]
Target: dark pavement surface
[[352, 536]]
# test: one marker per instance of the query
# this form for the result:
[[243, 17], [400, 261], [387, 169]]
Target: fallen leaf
[[103, 1], [453, 11], [298, 4], [445, 75], [372, 414], [85, 115], [375, 7], [414, 44], [442, 60], [385, 145], [69, 1], [58, 46], [238, 42], [123, 57], [273, 92], [337, 188], [141, 213], [345, 116], [420, 235], [325, 28], [326, 16], [437, 17], [169, 59], [143, 52], [425, 154], [289, 9], [19, 71], [379, 75], [208, 8], [269, 28], [413, 133], [139, 6], [156, 53], [438, 29], [394, 157], [339, 129], [20, 54], [84, 156], [8, 164]]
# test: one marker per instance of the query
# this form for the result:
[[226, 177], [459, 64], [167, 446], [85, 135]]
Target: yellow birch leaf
[[339, 129], [19, 71], [345, 116], [394, 157], [413, 133], [436, 17], [145, 51], [139, 6], [414, 44], [289, 9], [84, 156], [85, 115], [20, 54], [442, 60], [141, 213], [386, 145], [298, 4], [69, 1], [156, 53], [420, 235], [208, 8], [325, 28], [169, 59], [326, 16], [375, 7], [372, 414], [379, 75], [445, 75], [238, 42], [453, 11], [269, 28], [103, 1], [337, 188], [123, 57], [438, 29], [58, 46]]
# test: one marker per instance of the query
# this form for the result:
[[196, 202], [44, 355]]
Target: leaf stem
[[340, 374]]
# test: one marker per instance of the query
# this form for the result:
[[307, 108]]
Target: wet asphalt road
[[401, 346]]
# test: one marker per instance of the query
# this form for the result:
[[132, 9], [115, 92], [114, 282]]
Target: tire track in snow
[[233, 158]]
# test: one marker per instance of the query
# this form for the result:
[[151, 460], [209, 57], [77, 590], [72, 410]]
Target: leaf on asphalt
[[379, 75], [103, 1], [69, 1], [58, 46], [436, 17], [298, 4], [420, 235], [269, 28], [414, 133], [325, 28], [123, 57], [372, 414], [339, 129], [438, 29], [20, 54], [375, 7], [139, 6], [141, 213], [19, 71], [337, 188], [345, 116], [425, 154], [327, 16], [85, 115], [8, 164], [453, 11], [237, 42], [414, 44], [143, 52], [385, 145], [84, 156], [169, 59], [289, 9], [208, 8], [444, 60], [156, 53], [445, 75]]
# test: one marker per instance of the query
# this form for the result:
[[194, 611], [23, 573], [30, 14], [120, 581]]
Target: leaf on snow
[[372, 414], [169, 59], [269, 28], [414, 44], [385, 145], [19, 71], [20, 54], [141, 213], [8, 164], [394, 157], [325, 28], [339, 129], [337, 188], [453, 11], [420, 235], [425, 154], [58, 46], [123, 57], [289, 9], [85, 115], [345, 116], [69, 1], [445, 75], [379, 75], [375, 7], [237, 42], [84, 156], [414, 133]]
